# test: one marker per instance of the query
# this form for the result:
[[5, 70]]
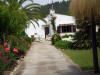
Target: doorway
[[46, 31]]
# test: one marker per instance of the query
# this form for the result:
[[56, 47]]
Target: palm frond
[[31, 5], [32, 23]]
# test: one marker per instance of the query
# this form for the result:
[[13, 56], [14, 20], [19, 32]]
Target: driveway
[[45, 59]]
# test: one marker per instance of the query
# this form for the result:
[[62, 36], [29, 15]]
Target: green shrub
[[7, 59], [82, 40], [33, 38], [22, 49], [55, 38], [82, 44], [63, 44], [28, 39], [13, 40], [67, 36]]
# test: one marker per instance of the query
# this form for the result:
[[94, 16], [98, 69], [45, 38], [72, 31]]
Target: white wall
[[39, 29], [60, 19]]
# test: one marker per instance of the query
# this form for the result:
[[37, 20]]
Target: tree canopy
[[60, 7], [14, 17]]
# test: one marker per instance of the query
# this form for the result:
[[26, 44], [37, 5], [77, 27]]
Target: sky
[[43, 2]]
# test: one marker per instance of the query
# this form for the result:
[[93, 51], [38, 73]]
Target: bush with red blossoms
[[15, 50], [12, 50], [7, 49], [5, 44], [8, 57]]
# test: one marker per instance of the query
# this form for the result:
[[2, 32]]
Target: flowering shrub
[[11, 51], [7, 49], [8, 57], [5, 44], [15, 50], [55, 38]]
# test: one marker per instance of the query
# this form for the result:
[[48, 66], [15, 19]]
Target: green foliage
[[81, 41], [33, 38], [67, 36], [55, 38], [82, 38], [28, 39], [63, 44], [14, 19], [8, 60], [22, 49], [18, 21], [53, 24], [98, 20], [60, 7], [13, 40]]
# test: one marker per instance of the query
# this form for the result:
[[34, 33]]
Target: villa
[[64, 25]]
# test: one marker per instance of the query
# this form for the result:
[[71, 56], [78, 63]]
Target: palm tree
[[16, 15], [90, 9], [32, 10]]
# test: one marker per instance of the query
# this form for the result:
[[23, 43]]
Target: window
[[66, 29]]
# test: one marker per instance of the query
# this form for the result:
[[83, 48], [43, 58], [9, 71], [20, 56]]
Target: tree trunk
[[94, 46]]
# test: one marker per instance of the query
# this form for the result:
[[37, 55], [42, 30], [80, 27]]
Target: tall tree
[[14, 16], [88, 8]]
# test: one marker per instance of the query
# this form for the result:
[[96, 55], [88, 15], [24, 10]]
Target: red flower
[[7, 49], [5, 44], [15, 50]]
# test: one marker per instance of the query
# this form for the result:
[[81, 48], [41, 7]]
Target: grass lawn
[[83, 58]]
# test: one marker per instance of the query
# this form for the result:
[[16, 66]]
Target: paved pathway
[[45, 59]]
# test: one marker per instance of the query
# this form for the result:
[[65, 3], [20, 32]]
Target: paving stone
[[45, 59]]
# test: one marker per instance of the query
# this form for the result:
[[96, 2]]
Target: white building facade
[[64, 25]]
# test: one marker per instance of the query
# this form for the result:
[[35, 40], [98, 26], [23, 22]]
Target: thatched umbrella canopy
[[90, 9], [84, 8]]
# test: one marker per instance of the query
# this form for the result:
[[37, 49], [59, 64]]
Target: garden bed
[[14, 68], [12, 52]]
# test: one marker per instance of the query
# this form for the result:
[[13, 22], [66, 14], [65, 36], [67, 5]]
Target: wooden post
[[94, 46]]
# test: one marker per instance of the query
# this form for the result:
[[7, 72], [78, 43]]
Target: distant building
[[64, 25]]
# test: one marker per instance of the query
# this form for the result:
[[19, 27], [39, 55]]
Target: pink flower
[[7, 49], [15, 50], [5, 44]]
